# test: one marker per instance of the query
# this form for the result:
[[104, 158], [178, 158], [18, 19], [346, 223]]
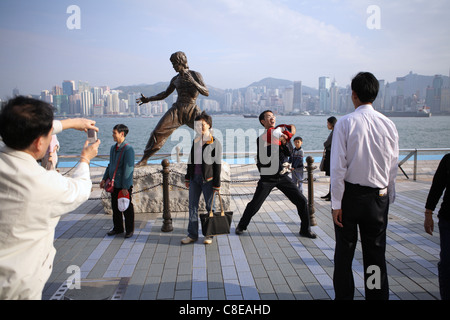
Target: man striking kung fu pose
[[270, 159], [188, 84]]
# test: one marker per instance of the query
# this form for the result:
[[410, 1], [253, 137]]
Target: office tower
[[228, 101], [132, 103], [96, 95], [68, 87], [57, 91], [86, 103], [83, 86], [378, 104], [297, 103], [324, 94], [75, 103], [334, 97], [46, 96], [61, 103], [433, 98], [288, 100]]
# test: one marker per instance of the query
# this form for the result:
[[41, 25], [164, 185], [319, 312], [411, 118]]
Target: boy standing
[[296, 160]]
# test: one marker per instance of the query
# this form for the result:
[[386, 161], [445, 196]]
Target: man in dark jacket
[[441, 182], [270, 158]]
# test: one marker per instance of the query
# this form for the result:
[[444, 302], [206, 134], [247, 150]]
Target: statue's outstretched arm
[[159, 96]]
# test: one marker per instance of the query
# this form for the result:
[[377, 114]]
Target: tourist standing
[[364, 162], [121, 167]]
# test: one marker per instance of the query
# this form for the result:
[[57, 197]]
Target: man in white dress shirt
[[364, 157], [32, 199]]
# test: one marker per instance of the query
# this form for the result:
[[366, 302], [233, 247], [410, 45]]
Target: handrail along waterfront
[[239, 155]]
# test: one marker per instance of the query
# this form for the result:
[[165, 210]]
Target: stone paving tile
[[269, 261]]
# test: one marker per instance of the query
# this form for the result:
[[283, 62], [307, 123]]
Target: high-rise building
[[334, 97], [86, 103], [433, 98], [288, 100], [96, 95], [83, 86], [75, 103], [378, 104], [324, 94], [68, 87], [297, 103], [46, 96]]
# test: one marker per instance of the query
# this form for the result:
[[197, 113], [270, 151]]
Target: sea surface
[[238, 134]]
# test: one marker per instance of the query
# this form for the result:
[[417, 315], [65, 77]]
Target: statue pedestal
[[148, 190]]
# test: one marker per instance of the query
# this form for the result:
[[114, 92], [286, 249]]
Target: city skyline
[[408, 93], [231, 42]]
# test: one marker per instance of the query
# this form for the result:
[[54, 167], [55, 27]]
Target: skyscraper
[[298, 95], [68, 87], [324, 94]]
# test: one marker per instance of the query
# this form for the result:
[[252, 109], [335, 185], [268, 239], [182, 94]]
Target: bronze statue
[[188, 84]]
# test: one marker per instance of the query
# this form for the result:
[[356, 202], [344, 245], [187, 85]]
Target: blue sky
[[231, 42]]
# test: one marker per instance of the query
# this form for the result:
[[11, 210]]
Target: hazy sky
[[232, 43]]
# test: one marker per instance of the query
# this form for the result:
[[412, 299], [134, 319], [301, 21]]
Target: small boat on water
[[423, 112], [250, 116]]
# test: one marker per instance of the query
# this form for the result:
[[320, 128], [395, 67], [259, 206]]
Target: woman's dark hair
[[204, 116], [332, 121], [23, 120], [121, 128], [366, 87]]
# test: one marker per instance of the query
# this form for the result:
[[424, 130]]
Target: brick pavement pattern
[[268, 262]]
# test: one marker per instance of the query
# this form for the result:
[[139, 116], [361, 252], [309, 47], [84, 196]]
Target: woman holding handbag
[[203, 173], [118, 179]]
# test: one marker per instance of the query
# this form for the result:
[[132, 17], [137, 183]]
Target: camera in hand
[[92, 135]]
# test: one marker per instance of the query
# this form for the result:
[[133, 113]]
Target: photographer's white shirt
[[32, 201]]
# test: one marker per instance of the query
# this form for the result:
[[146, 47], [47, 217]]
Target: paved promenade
[[268, 262]]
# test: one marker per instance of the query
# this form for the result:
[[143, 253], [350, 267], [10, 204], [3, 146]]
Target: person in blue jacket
[[122, 157]]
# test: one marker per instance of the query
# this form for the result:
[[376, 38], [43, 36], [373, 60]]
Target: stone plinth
[[148, 192]]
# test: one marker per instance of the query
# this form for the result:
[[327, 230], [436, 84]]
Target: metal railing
[[251, 155], [167, 224], [414, 153]]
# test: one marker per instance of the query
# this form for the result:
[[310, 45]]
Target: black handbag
[[217, 223]]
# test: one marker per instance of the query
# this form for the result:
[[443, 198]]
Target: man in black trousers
[[271, 154], [364, 157]]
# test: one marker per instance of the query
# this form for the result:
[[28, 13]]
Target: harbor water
[[238, 134]]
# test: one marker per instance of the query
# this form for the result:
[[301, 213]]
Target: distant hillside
[[411, 84], [273, 83], [214, 93]]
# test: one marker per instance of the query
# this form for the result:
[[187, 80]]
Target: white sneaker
[[208, 240], [187, 240]]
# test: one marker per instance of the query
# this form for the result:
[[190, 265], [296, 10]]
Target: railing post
[[415, 165], [311, 209], [178, 154], [167, 223]]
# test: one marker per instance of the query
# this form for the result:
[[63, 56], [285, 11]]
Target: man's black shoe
[[129, 234], [308, 234], [113, 232], [239, 230]]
